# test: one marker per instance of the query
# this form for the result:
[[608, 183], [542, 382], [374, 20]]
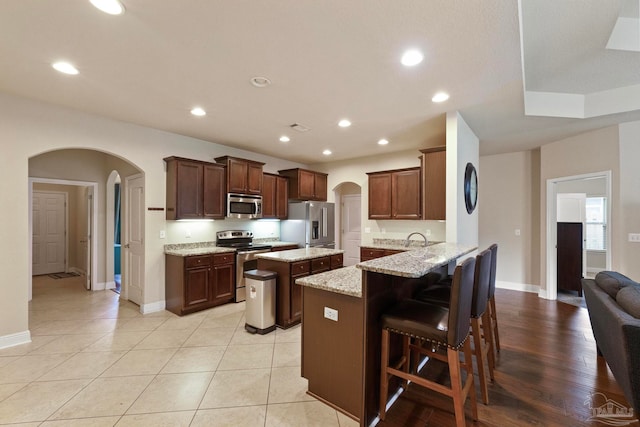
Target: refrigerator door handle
[[324, 222]]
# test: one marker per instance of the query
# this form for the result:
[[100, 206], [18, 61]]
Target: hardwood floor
[[546, 372]]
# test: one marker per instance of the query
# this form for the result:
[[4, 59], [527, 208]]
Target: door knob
[[126, 246]]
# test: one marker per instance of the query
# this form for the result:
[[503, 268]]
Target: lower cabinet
[[199, 282], [372, 253], [288, 294]]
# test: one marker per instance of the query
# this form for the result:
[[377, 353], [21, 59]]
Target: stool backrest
[[481, 283], [494, 263], [460, 303]]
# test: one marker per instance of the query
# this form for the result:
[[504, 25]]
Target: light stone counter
[[274, 243], [346, 281], [397, 244], [294, 255], [418, 262], [193, 249]]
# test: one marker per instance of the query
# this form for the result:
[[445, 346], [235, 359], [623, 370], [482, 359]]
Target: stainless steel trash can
[[260, 310]]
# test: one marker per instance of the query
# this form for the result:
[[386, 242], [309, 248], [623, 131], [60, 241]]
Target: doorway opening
[[113, 240], [596, 230], [348, 196]]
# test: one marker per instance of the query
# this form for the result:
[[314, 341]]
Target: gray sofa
[[613, 301]]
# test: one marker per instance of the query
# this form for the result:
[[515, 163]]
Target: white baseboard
[[110, 285], [152, 307], [523, 287], [11, 340], [77, 271], [103, 285]]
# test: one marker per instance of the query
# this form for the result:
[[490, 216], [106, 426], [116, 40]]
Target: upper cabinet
[[195, 189], [306, 185], [434, 169], [275, 190], [395, 194], [243, 176]]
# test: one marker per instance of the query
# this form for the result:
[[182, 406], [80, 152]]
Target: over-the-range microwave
[[244, 206]]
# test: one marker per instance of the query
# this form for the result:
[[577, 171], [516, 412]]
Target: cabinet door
[[380, 196], [269, 191], [197, 289], [282, 198], [188, 190], [223, 283], [254, 178], [405, 194], [213, 192], [237, 176], [320, 187], [434, 163], [306, 184]]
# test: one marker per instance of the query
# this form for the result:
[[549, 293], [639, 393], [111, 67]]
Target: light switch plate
[[163, 234], [331, 314], [634, 237]]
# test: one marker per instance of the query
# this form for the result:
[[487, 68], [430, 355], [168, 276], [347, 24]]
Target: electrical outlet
[[517, 231], [163, 234], [367, 229], [331, 314], [427, 233], [634, 237], [187, 233]]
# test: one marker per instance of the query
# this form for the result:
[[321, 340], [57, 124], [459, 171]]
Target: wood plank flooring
[[546, 372]]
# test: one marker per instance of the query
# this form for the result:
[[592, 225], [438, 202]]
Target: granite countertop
[[418, 262], [397, 244], [293, 255], [275, 243], [192, 249], [346, 281]]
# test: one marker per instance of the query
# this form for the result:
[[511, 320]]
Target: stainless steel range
[[246, 251]]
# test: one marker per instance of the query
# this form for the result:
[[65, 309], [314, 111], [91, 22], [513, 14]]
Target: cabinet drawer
[[368, 253], [300, 267], [224, 258], [319, 265], [197, 261], [336, 261]]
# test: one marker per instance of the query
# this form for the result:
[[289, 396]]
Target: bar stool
[[492, 314], [481, 331], [441, 327]]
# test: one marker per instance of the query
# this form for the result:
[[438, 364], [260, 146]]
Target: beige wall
[[628, 216]]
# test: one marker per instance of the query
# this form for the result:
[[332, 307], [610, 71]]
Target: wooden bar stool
[[492, 316], [480, 330], [441, 327]]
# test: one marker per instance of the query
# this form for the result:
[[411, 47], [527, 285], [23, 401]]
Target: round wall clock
[[470, 187]]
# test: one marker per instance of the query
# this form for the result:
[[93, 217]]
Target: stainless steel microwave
[[244, 206]]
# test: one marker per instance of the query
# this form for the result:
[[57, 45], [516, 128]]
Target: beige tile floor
[[96, 361]]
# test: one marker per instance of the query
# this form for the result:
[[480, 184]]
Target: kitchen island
[[341, 348], [290, 265]]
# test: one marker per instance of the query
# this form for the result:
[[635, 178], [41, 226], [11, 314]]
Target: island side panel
[[283, 289], [332, 351]]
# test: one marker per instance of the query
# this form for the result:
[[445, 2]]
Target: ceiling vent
[[300, 128]]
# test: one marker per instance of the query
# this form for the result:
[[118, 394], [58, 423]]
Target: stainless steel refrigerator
[[310, 224]]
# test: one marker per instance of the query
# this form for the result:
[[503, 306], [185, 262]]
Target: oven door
[[245, 261]]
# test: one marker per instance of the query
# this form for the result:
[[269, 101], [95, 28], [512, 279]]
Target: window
[[596, 223]]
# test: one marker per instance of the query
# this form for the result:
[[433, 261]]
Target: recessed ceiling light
[[285, 138], [412, 57], [65, 67], [326, 152], [260, 81], [112, 7], [440, 97], [197, 111], [344, 123], [383, 142]]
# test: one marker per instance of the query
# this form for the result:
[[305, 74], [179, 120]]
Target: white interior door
[[49, 232], [571, 207], [133, 277], [351, 221], [89, 239]]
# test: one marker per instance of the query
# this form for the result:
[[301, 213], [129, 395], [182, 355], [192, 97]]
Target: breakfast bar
[[341, 328]]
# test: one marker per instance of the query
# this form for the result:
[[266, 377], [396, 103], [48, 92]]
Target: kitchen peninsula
[[341, 347], [290, 265]]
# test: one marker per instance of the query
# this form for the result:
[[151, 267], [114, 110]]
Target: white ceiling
[[327, 60]]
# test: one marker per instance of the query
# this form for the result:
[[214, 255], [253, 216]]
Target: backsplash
[[205, 231]]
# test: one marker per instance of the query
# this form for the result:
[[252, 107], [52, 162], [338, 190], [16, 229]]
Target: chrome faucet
[[406, 242]]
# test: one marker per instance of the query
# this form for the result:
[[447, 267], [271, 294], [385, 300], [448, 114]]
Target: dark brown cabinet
[[195, 189], [243, 176], [434, 183], [275, 192], [288, 294], [395, 194], [195, 283], [306, 184], [372, 253]]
